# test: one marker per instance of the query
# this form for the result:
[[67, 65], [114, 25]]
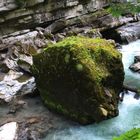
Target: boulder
[[80, 78]]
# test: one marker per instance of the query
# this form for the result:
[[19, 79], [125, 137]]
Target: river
[[129, 109]]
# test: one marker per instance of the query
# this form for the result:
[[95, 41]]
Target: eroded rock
[[15, 83]]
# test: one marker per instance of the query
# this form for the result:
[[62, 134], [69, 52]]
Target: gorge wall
[[18, 15], [22, 17]]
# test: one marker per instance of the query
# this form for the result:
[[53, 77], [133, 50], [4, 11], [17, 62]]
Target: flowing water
[[129, 110], [129, 51]]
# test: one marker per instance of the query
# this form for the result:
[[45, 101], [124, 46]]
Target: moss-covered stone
[[80, 78]]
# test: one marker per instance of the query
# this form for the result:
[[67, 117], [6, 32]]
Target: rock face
[[17, 15], [80, 78], [36, 22]]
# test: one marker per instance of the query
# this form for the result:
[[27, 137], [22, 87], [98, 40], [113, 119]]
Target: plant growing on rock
[[119, 8], [80, 78]]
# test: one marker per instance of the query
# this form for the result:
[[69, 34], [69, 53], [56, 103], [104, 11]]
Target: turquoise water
[[129, 51], [129, 110]]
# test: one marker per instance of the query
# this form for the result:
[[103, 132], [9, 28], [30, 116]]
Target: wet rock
[[16, 105], [130, 32], [74, 83], [136, 59], [9, 131], [135, 67]]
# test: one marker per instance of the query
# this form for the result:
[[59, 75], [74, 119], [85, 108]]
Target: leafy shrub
[[133, 134], [118, 9]]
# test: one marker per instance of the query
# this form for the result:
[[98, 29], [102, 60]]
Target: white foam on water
[[128, 53]]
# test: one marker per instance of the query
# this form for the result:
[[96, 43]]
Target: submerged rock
[[75, 75]]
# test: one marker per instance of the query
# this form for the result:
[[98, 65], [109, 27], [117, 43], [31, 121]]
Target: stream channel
[[129, 109]]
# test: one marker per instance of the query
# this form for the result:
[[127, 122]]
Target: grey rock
[[25, 62], [55, 15], [136, 59], [135, 67], [10, 86], [130, 32]]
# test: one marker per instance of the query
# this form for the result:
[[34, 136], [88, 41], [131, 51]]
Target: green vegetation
[[121, 8], [21, 3], [133, 134]]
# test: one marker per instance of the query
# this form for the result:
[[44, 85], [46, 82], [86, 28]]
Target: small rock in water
[[135, 67], [136, 59], [9, 131]]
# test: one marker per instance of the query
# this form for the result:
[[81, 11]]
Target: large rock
[[130, 32], [80, 78]]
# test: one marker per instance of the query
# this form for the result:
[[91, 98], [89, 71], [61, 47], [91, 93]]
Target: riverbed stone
[[9, 131], [136, 59], [135, 67], [74, 74]]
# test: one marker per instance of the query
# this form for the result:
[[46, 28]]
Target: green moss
[[72, 76], [133, 134], [100, 13]]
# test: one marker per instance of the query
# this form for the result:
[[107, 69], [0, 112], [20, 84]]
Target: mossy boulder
[[80, 78]]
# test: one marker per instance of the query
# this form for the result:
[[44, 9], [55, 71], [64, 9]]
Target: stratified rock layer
[[80, 78]]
